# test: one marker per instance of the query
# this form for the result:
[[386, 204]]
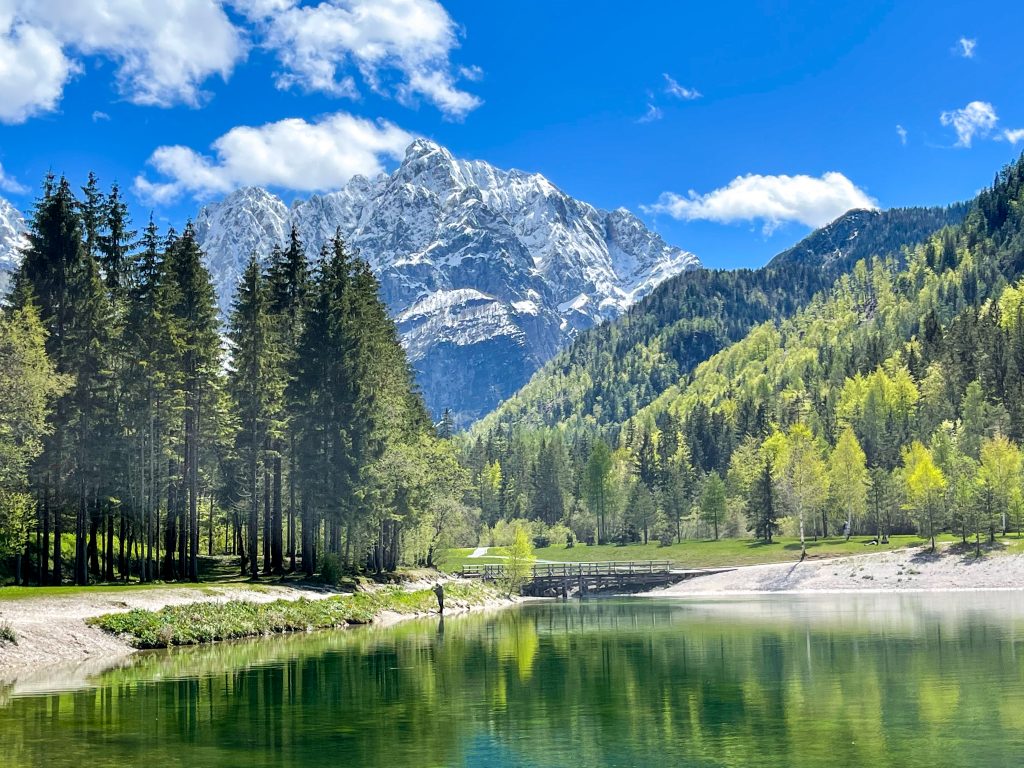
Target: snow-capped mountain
[[487, 272], [12, 240]]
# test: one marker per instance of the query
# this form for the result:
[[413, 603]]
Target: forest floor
[[952, 568], [53, 637]]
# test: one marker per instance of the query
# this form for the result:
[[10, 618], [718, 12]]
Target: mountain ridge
[[12, 240], [611, 372], [480, 266]]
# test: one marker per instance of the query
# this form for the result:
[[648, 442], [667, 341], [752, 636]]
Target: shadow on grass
[[869, 545], [970, 552]]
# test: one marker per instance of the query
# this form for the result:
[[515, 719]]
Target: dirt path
[[915, 570]]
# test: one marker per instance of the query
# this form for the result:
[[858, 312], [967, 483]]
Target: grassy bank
[[713, 554], [209, 622]]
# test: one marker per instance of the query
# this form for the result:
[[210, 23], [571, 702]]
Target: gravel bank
[[909, 570]]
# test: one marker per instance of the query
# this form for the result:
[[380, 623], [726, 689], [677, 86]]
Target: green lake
[[833, 681]]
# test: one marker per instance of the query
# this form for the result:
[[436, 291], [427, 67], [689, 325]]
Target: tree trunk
[[209, 550], [308, 559], [58, 575], [276, 553], [291, 504], [81, 551], [110, 548], [44, 551], [170, 527], [267, 515], [93, 549], [254, 514]]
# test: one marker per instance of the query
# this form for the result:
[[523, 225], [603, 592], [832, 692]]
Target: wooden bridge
[[564, 578]]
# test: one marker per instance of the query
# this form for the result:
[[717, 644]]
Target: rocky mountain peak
[[487, 271], [12, 241]]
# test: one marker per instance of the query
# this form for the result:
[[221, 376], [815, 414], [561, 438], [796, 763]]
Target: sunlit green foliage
[[208, 622], [901, 348]]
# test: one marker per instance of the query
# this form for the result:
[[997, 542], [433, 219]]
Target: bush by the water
[[7, 636], [208, 622]]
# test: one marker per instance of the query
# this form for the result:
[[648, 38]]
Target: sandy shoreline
[[54, 639], [904, 571]]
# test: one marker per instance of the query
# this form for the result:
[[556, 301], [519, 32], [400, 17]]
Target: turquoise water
[[870, 680]]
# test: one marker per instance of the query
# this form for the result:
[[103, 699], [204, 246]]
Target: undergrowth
[[208, 622]]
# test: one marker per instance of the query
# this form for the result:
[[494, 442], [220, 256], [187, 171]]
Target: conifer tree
[[198, 355], [762, 508], [62, 279], [252, 386], [288, 286]]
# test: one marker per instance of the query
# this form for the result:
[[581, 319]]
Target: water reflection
[[879, 680]]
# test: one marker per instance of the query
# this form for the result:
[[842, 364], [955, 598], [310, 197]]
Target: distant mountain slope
[[895, 351], [488, 272], [609, 373], [12, 239], [861, 234]]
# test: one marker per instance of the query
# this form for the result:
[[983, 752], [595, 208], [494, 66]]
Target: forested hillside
[[611, 372], [893, 402], [138, 437]]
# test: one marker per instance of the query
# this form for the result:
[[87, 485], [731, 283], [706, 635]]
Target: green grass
[[217, 571], [456, 558], [209, 622], [207, 587], [726, 552], [713, 554]]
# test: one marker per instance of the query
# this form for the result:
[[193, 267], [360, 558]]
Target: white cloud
[[11, 185], [97, 116], [163, 50], [976, 119], [902, 133], [672, 88], [399, 47], [255, 10], [772, 199], [653, 113], [965, 47], [33, 70], [1013, 135], [293, 154]]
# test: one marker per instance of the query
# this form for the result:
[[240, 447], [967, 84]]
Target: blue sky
[[774, 115]]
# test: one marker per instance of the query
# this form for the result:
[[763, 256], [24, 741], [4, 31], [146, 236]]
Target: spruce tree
[[198, 347], [288, 287], [762, 507], [62, 279], [250, 384]]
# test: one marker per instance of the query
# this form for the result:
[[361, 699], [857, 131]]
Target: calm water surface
[[880, 680]]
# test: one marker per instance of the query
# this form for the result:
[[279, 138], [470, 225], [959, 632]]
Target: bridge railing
[[574, 570]]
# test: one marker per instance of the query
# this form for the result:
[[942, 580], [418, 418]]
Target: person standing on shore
[[439, 591]]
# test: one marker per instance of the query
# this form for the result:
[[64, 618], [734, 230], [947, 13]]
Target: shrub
[[331, 570], [518, 562], [209, 622], [559, 535], [7, 636]]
